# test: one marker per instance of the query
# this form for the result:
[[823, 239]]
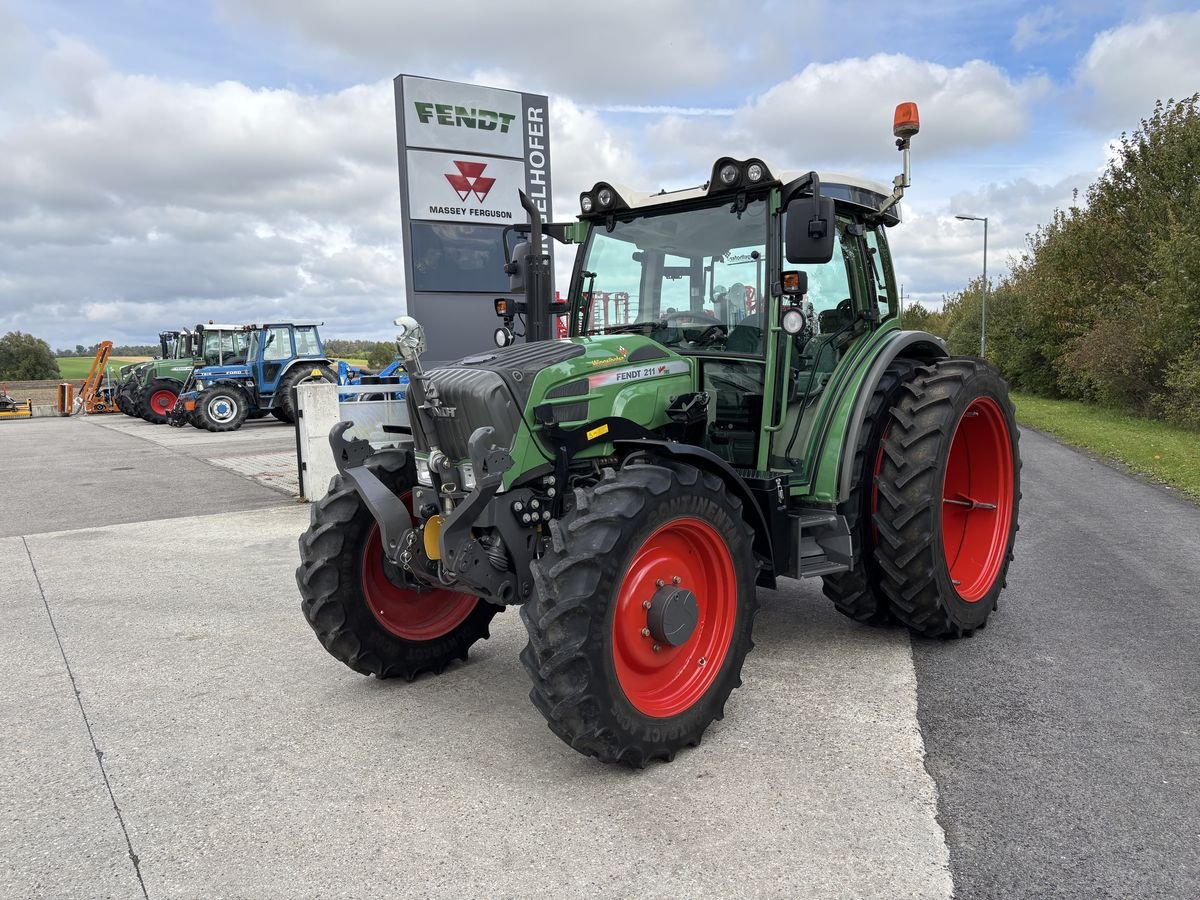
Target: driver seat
[[747, 335]]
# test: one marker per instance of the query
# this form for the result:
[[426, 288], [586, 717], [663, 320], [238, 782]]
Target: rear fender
[[918, 345]]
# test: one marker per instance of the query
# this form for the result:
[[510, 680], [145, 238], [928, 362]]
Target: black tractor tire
[[598, 678], [284, 407], [334, 557], [152, 393], [856, 593], [221, 407], [949, 492]]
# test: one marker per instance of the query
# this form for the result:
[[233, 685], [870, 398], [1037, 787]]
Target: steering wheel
[[700, 317]]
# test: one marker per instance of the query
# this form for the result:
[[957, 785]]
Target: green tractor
[[737, 402], [161, 381], [130, 378]]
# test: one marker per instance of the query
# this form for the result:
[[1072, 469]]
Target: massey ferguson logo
[[470, 180]]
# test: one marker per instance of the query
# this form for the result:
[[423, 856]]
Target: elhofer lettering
[[535, 155], [463, 116]]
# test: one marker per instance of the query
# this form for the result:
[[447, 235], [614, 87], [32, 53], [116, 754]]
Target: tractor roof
[[213, 326], [845, 188], [283, 324]]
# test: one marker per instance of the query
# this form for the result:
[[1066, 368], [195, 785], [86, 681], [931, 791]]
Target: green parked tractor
[[159, 383], [737, 402]]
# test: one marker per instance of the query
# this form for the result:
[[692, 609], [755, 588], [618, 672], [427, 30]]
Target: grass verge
[[1165, 453]]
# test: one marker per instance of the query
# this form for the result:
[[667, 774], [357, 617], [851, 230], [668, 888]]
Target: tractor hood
[[567, 383]]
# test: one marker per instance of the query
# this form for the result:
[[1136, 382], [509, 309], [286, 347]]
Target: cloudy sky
[[162, 160]]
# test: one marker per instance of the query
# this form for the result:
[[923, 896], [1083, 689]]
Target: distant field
[[1163, 452], [76, 368], [360, 363]]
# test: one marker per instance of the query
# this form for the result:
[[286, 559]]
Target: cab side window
[[279, 344], [877, 270]]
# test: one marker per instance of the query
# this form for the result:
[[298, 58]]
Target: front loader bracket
[[351, 457]]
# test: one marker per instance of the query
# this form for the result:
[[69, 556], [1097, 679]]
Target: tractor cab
[[216, 345], [704, 273]]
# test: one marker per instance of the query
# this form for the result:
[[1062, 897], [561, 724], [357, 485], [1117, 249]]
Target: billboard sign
[[465, 151]]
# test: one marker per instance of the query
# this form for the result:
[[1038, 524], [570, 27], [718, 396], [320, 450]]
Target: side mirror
[[517, 268], [810, 230]]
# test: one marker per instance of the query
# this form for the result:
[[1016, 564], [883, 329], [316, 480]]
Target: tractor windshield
[[223, 347], [691, 278]]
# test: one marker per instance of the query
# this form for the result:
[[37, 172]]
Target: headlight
[[793, 320], [423, 475], [754, 172], [467, 473], [728, 173], [605, 197], [200, 385], [585, 203]]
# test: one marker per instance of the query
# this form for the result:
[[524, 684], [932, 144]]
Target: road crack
[[133, 857]]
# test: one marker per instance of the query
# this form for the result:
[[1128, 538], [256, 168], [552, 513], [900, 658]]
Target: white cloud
[[149, 203], [834, 114], [1126, 69], [1042, 26], [633, 50], [137, 203]]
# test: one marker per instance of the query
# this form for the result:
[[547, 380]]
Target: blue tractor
[[279, 356]]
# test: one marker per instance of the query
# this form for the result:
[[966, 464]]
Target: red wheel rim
[[977, 497], [162, 402], [672, 680], [408, 614]]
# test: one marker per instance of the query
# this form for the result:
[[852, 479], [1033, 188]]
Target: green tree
[[381, 355], [1104, 303], [24, 357]]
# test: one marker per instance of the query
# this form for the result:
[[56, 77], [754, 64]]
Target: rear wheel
[[221, 408], [856, 593], [642, 613], [948, 495], [364, 611], [284, 407], [157, 399]]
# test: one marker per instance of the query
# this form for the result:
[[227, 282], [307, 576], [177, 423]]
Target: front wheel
[[363, 609], [642, 613], [947, 497], [158, 398], [221, 408]]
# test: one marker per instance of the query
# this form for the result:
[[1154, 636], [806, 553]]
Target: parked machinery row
[[216, 377]]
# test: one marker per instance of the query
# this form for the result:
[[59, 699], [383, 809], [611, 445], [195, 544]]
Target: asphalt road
[[172, 728], [1065, 738]]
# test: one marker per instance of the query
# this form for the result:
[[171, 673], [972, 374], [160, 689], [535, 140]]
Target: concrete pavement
[[215, 741], [248, 763]]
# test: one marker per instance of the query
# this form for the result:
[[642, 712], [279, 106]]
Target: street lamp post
[[983, 318]]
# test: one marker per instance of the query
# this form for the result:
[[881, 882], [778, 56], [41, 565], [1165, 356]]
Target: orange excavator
[[97, 393]]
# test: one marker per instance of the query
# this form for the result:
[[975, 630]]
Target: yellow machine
[[97, 393], [14, 409]]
